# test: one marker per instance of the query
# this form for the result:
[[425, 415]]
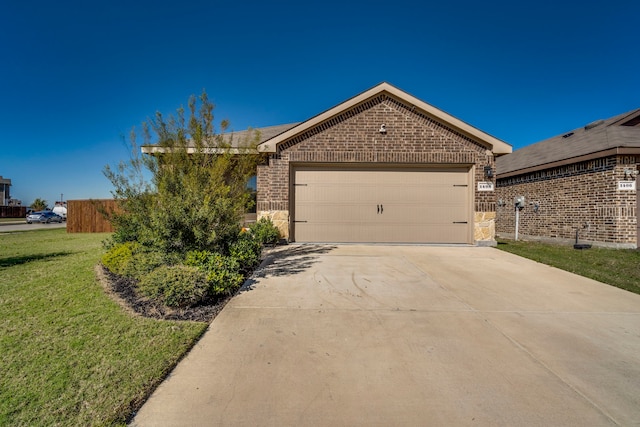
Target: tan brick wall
[[353, 137], [582, 195]]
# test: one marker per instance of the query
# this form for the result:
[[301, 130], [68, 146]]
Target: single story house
[[382, 166], [583, 181]]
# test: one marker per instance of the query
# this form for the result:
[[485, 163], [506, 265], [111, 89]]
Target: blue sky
[[77, 76]]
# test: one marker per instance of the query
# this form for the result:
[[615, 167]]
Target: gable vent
[[633, 122], [593, 124]]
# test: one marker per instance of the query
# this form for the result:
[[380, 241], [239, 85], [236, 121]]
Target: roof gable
[[496, 145], [597, 138]]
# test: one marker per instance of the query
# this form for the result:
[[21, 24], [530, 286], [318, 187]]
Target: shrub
[[184, 199], [221, 271], [175, 286], [246, 250], [144, 262], [265, 232], [119, 258]]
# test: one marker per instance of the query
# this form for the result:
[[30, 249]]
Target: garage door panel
[[316, 193], [424, 215], [382, 205], [348, 212]]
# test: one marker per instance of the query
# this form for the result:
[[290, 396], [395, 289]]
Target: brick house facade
[[382, 127], [584, 180]]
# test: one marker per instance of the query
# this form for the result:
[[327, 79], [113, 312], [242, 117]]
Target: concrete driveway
[[410, 335]]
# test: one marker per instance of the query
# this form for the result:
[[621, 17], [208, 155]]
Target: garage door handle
[[378, 208], [381, 208], [460, 222]]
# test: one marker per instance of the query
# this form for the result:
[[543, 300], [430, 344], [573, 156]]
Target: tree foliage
[[39, 204], [191, 193]]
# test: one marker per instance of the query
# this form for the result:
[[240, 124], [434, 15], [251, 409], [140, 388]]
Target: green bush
[[144, 262], [265, 232], [119, 258], [222, 272], [246, 250], [175, 286]]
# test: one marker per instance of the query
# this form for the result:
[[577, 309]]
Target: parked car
[[43, 216]]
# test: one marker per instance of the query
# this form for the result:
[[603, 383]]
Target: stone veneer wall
[[412, 138], [580, 196]]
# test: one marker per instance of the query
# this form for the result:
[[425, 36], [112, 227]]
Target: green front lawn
[[11, 220], [69, 354], [617, 267]]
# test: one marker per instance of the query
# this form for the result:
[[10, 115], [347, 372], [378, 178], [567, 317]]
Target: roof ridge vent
[[594, 124], [567, 135]]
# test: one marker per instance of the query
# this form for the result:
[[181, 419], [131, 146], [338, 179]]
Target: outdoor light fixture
[[383, 129], [630, 173], [488, 172]]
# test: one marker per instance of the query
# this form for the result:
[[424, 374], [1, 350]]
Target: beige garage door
[[395, 205]]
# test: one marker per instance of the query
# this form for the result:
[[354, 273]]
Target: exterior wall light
[[630, 173], [383, 129], [488, 172]]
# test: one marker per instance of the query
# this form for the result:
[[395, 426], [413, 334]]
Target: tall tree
[[191, 192]]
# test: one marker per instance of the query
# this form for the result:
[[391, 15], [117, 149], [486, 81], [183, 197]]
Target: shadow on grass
[[286, 262], [12, 261]]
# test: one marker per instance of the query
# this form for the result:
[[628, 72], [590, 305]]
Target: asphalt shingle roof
[[237, 138], [619, 131]]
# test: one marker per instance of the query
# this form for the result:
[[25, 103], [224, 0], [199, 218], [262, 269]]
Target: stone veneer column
[[484, 228], [279, 218]]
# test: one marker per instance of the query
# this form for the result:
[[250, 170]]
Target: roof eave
[[586, 157], [154, 149]]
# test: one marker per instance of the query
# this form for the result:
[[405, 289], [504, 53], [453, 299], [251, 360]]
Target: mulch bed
[[123, 291]]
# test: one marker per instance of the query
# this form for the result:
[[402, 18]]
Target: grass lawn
[[617, 267], [69, 354], [11, 220]]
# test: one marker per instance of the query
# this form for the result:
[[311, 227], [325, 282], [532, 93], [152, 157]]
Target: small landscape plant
[[118, 259], [246, 250], [175, 286], [222, 272], [265, 232]]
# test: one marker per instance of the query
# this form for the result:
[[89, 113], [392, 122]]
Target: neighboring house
[[382, 166], [585, 180], [5, 195]]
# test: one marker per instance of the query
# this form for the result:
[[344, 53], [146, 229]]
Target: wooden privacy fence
[[85, 216], [13, 212]]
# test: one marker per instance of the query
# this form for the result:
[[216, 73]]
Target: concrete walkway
[[410, 335]]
